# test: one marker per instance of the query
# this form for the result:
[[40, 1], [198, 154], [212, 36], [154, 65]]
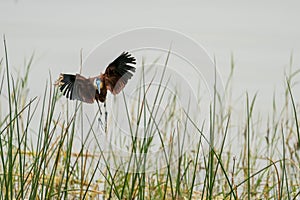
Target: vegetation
[[39, 161]]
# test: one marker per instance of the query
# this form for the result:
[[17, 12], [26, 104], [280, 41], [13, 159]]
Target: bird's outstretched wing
[[119, 72], [76, 87]]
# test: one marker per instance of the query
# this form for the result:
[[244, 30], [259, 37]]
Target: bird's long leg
[[99, 119], [99, 108], [105, 116]]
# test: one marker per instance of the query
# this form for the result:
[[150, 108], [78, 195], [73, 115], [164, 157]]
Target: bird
[[89, 90]]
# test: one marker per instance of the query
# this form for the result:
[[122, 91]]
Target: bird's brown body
[[116, 76]]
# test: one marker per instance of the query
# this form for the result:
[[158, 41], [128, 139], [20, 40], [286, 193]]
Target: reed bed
[[39, 161]]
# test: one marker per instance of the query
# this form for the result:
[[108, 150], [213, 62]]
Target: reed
[[39, 161]]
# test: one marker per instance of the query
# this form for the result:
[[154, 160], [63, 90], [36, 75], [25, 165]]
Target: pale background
[[261, 35]]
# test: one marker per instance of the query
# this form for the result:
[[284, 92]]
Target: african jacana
[[114, 79]]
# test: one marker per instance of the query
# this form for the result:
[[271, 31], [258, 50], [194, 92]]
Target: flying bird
[[88, 90]]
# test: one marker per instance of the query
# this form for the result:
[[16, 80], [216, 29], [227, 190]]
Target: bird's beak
[[98, 87]]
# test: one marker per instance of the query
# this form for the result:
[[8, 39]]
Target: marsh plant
[[42, 158]]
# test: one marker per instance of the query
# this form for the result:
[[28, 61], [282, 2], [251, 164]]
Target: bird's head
[[98, 84]]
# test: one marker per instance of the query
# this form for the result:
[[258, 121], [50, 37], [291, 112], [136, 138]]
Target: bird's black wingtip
[[65, 83], [128, 57]]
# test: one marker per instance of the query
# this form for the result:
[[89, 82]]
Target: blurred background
[[261, 36]]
